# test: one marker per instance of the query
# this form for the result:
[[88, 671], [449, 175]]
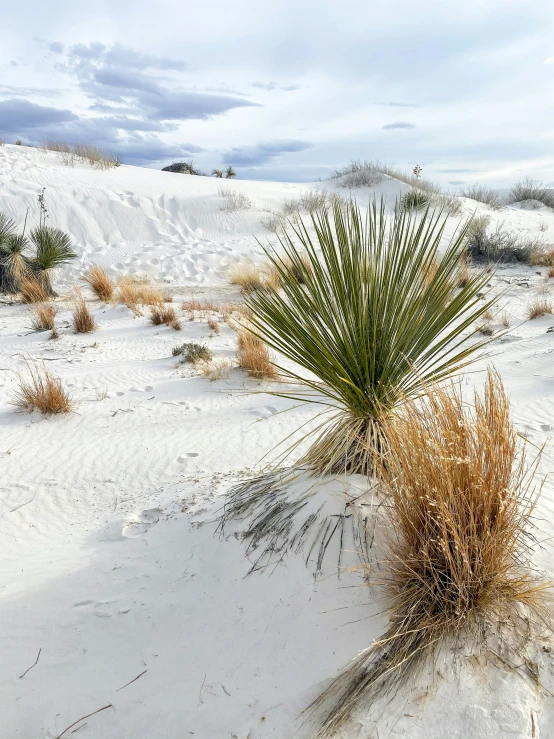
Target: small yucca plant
[[375, 318], [415, 200], [52, 250]]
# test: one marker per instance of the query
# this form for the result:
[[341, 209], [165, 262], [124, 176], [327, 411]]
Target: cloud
[[269, 86], [17, 115], [121, 56], [399, 105], [187, 105], [397, 124], [254, 156]]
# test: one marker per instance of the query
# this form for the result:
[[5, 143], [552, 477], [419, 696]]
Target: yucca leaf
[[377, 315], [53, 247]]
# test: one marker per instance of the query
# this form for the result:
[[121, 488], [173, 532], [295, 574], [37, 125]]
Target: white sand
[[104, 565]]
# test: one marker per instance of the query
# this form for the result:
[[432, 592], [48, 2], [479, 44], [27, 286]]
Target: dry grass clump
[[83, 322], [253, 356], [160, 314], [464, 271], [100, 283], [213, 325], [460, 496], [43, 317], [313, 200], [138, 291], [551, 272], [32, 291], [539, 307], [42, 391], [543, 258], [216, 369], [247, 276], [71, 153]]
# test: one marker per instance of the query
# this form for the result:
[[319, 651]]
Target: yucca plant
[[375, 318], [415, 200], [230, 173], [53, 249], [14, 266]]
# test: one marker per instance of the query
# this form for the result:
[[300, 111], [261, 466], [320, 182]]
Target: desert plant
[[483, 194], [246, 275], [138, 291], [217, 173], [528, 189], [358, 173], [216, 369], [160, 314], [192, 352], [415, 200], [83, 321], [52, 250], [501, 245], [253, 356], [32, 292], [14, 265], [233, 200], [100, 283], [367, 324], [273, 221], [213, 325], [539, 307], [464, 271], [43, 317], [312, 200], [42, 391], [457, 572], [230, 173]]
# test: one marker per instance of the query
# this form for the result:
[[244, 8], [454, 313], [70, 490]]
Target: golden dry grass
[[538, 307], [32, 292], [43, 317], [100, 283], [460, 496], [160, 314], [213, 325], [216, 369], [247, 276], [253, 356], [464, 271], [42, 391], [135, 292], [551, 272], [83, 321]]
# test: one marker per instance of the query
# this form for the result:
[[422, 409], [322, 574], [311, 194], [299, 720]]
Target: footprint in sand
[[141, 523]]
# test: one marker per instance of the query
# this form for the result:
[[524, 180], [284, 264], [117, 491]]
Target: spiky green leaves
[[53, 247], [376, 317]]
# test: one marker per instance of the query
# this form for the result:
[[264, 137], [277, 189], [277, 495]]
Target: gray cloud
[[17, 115], [121, 56], [397, 124], [254, 156], [269, 86]]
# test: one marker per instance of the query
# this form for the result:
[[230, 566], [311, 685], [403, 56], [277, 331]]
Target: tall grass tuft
[[377, 318], [32, 292], [135, 292], [100, 283], [460, 496], [43, 317], [42, 391], [483, 194], [160, 314], [253, 356], [83, 321]]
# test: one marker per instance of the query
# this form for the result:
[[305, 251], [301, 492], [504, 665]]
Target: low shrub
[[136, 291], [160, 314], [246, 275], [253, 356], [415, 200], [483, 194], [42, 391], [501, 245], [233, 200], [192, 352], [529, 189], [539, 307]]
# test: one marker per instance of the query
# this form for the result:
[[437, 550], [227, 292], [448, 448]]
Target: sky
[[291, 89]]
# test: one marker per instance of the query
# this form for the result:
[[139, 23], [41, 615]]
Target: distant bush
[[71, 153], [184, 168], [358, 173], [230, 173], [529, 189], [18, 142], [233, 200], [415, 200], [313, 200], [501, 245], [193, 352], [483, 194]]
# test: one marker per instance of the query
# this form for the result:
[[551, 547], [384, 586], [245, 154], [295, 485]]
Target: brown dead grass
[[539, 307], [32, 292], [43, 317], [160, 314], [135, 292], [42, 391], [460, 498], [83, 321], [247, 276], [253, 356], [213, 325], [464, 271], [100, 283]]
